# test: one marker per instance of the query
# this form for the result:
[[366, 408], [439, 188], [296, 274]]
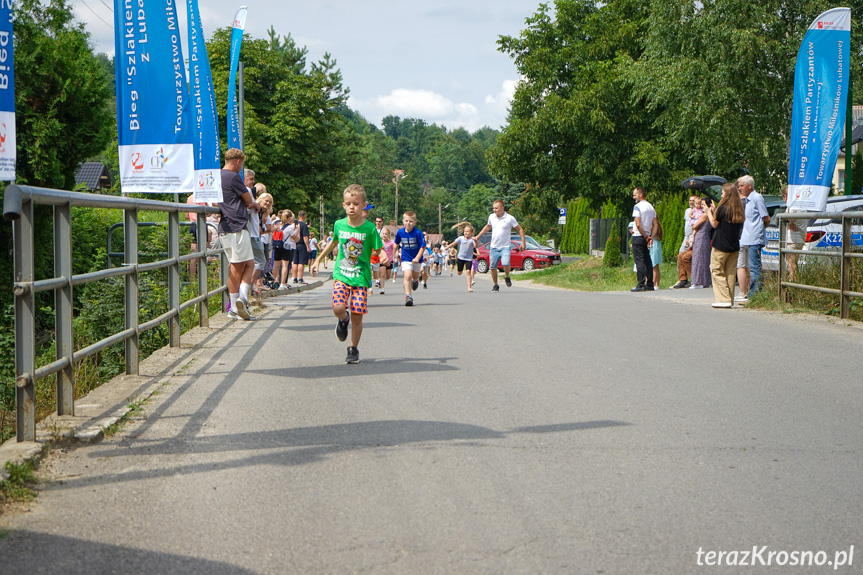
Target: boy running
[[357, 240], [501, 225], [412, 242]]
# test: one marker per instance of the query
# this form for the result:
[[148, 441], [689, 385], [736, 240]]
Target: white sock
[[234, 297], [244, 290]]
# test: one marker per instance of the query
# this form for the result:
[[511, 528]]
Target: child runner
[[411, 240], [501, 225], [466, 246], [426, 261], [438, 259], [453, 256], [389, 248], [356, 239]]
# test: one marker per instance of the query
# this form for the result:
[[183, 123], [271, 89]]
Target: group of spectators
[[258, 242], [721, 245]]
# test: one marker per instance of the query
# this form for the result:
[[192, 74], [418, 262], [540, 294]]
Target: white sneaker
[[243, 308], [232, 315], [741, 299], [722, 304], [655, 288], [696, 287]]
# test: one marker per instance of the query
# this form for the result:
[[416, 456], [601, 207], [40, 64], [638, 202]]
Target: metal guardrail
[[844, 254], [18, 205]]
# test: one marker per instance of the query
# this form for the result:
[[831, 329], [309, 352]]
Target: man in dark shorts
[[301, 253]]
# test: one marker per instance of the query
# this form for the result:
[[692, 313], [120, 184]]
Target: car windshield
[[532, 244]]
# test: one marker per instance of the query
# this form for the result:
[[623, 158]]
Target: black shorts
[[464, 264], [452, 262], [301, 255], [283, 255]]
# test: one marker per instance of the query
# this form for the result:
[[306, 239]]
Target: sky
[[436, 60]]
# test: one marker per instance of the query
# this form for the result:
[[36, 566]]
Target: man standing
[[752, 239], [234, 234], [301, 253], [501, 225], [643, 214], [684, 254]]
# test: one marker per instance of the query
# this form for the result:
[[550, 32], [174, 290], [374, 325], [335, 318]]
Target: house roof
[[94, 175]]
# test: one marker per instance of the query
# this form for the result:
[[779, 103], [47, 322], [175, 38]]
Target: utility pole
[[397, 175], [321, 232], [438, 218]]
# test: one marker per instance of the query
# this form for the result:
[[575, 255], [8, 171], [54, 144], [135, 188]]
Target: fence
[[18, 205], [845, 254], [601, 229]]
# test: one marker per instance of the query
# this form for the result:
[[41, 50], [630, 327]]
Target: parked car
[[711, 186], [821, 234], [531, 242], [531, 258]]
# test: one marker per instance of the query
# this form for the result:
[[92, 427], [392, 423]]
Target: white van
[[821, 234]]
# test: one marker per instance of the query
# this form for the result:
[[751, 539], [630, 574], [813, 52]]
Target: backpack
[[278, 238]]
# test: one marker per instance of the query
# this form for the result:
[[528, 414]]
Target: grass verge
[[17, 487], [588, 274]]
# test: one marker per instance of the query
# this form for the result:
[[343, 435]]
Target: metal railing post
[[25, 325], [845, 270], [63, 308], [783, 232], [130, 247], [174, 277], [201, 263], [224, 272]]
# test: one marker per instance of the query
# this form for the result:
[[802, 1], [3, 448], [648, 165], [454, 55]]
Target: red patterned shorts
[[355, 298]]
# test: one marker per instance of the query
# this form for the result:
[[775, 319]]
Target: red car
[[519, 259]]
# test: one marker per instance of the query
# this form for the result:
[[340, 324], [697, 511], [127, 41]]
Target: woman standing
[[655, 250], [727, 220], [701, 246]]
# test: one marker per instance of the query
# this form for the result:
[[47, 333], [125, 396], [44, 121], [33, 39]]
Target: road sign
[[561, 220], [563, 212]]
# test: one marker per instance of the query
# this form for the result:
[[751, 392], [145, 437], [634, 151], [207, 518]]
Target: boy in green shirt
[[357, 239]]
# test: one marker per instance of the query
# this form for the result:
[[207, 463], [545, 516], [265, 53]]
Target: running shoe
[[377, 283], [232, 315], [495, 288], [425, 286], [342, 328], [353, 355], [415, 285], [382, 291], [409, 301], [507, 281], [243, 308], [472, 283]]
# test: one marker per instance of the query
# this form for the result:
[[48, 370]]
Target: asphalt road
[[530, 431]]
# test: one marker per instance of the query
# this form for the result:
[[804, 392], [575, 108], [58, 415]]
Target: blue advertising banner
[[153, 119], [7, 94], [818, 116], [205, 122], [236, 43]]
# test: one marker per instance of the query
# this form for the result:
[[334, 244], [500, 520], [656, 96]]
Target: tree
[[719, 75], [574, 125], [296, 138]]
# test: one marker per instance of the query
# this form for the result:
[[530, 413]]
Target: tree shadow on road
[[306, 445], [44, 554]]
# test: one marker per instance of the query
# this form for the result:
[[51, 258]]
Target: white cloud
[[425, 104]]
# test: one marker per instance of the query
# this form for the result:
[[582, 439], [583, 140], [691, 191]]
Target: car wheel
[[528, 264], [482, 266]]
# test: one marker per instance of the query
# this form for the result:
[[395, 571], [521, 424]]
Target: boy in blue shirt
[[356, 239], [412, 242]]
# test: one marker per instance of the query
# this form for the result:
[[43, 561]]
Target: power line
[[111, 10], [97, 14]]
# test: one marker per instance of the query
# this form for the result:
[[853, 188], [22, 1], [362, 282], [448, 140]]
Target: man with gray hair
[[752, 240]]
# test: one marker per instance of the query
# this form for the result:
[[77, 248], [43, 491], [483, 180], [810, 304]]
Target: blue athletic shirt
[[411, 243]]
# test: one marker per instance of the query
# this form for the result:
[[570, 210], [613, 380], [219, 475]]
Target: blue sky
[[432, 60]]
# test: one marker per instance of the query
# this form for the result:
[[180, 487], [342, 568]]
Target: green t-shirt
[[355, 246]]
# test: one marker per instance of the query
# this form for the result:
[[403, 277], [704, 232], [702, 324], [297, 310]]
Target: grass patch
[[17, 487], [588, 274]]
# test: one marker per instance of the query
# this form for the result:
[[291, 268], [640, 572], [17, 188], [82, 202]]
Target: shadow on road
[[42, 554], [304, 445]]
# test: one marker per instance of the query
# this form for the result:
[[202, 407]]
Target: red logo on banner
[[820, 25]]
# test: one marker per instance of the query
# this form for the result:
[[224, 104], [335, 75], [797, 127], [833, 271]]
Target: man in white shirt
[[643, 214], [501, 225]]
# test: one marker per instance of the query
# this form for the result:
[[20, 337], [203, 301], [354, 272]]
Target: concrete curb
[[93, 413]]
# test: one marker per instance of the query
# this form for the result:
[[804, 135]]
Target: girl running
[[466, 246], [389, 247]]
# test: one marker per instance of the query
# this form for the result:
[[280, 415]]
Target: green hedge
[[576, 233]]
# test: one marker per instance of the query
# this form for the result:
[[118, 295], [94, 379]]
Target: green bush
[[611, 258]]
